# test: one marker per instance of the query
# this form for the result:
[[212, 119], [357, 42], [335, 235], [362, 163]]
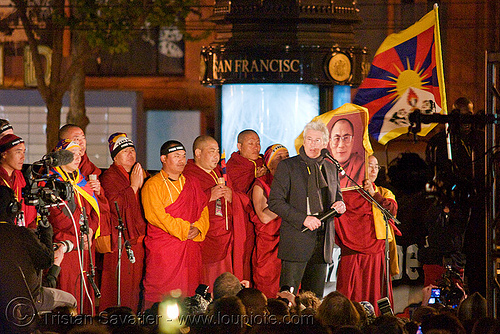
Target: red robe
[[242, 173], [60, 218], [361, 272], [216, 249], [17, 182], [116, 183], [87, 167], [266, 266], [172, 263]]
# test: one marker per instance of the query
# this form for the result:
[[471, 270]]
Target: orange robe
[[172, 261]]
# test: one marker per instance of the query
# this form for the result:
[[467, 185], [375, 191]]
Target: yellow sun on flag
[[406, 79]]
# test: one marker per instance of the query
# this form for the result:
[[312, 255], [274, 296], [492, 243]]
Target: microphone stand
[[387, 215], [120, 229], [122, 241], [91, 274], [82, 257]]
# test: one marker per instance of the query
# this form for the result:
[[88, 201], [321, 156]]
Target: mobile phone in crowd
[[384, 306], [435, 296]]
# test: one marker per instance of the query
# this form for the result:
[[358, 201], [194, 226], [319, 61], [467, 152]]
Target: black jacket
[[22, 257], [288, 200]]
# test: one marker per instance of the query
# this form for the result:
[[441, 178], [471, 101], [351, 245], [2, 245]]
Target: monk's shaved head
[[243, 134], [201, 142]]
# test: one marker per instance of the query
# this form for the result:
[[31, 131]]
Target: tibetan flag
[[406, 74]]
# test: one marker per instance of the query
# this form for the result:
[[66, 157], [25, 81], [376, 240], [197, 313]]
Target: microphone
[[325, 153], [130, 252], [324, 216], [57, 158]]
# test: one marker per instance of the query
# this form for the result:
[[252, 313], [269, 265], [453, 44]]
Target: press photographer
[[60, 248], [12, 153], [24, 256]]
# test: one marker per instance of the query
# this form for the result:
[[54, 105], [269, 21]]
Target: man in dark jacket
[[23, 256], [303, 187]]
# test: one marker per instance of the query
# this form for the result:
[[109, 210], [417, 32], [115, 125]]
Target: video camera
[[44, 191]]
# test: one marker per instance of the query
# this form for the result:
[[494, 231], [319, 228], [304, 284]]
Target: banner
[[406, 74], [348, 141]]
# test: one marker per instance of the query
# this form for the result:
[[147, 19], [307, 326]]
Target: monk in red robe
[[246, 164], [122, 183], [87, 168], [12, 153], [360, 233], [66, 223], [243, 168], [177, 217], [266, 266], [223, 209]]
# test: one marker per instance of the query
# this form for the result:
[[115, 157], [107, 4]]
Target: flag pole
[[440, 74]]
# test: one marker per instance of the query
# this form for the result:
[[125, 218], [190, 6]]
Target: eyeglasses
[[347, 139], [377, 167]]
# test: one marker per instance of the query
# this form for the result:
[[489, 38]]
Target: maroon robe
[[116, 183], [17, 182], [216, 249], [361, 272], [266, 266], [64, 229], [242, 173]]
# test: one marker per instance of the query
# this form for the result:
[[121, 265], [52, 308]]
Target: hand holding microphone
[[314, 222]]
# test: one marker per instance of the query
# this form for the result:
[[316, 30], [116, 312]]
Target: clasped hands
[[221, 190]]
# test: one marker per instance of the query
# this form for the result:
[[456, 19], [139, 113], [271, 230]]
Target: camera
[[449, 293], [384, 306], [202, 290], [66, 244], [435, 296], [48, 195]]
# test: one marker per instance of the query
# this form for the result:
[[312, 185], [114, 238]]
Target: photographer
[[50, 277], [12, 153], [24, 255]]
